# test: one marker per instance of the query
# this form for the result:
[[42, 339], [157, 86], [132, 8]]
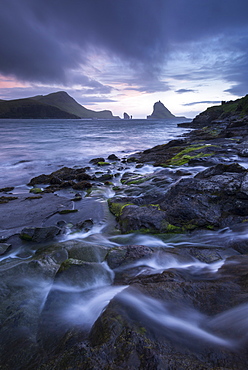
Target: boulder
[[82, 185], [58, 177], [72, 284], [145, 218], [95, 161], [4, 247], [24, 288], [113, 157], [121, 256], [40, 234]]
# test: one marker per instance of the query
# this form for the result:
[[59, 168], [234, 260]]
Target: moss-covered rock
[[6, 199], [66, 211], [36, 190], [103, 163], [189, 153], [116, 207]]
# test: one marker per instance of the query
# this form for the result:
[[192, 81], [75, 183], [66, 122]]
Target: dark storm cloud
[[44, 40], [27, 49], [237, 71]]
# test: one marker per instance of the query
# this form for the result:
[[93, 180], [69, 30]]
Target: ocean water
[[31, 147]]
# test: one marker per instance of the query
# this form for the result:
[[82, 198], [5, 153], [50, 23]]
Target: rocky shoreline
[[177, 302]]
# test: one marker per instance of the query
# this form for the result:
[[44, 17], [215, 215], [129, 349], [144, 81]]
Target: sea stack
[[160, 112], [126, 116]]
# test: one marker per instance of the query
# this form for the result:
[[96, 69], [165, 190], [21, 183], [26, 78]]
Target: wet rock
[[83, 177], [72, 282], [120, 256], [4, 247], [83, 252], [215, 197], [24, 287], [85, 225], [149, 219], [244, 152], [66, 211], [113, 157], [7, 189], [95, 161], [220, 169], [161, 153], [204, 161], [36, 190], [40, 234], [240, 245], [105, 177], [55, 180], [66, 184], [23, 212], [4, 199], [64, 174], [81, 273], [77, 197], [132, 179], [101, 164], [82, 185], [125, 326], [55, 253], [41, 179]]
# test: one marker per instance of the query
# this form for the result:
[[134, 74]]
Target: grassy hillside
[[28, 108], [65, 102], [55, 105], [237, 108]]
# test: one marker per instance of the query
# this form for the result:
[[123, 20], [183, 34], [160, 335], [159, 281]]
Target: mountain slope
[[28, 108], [66, 103], [55, 105]]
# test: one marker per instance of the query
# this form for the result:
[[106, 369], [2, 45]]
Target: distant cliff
[[55, 105], [161, 112]]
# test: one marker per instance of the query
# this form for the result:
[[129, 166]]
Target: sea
[[31, 147]]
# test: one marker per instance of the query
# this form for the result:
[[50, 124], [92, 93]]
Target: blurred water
[[31, 147]]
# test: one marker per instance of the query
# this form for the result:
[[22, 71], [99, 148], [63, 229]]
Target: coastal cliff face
[[227, 111]]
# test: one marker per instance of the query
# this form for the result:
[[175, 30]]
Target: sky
[[124, 55]]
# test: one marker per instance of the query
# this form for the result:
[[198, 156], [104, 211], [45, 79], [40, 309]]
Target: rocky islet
[[177, 301]]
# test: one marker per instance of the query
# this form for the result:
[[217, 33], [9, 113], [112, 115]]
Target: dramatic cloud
[[44, 38], [67, 43]]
